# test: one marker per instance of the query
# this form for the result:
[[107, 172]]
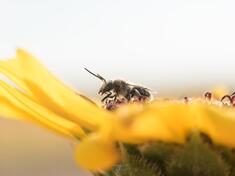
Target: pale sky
[[170, 45]]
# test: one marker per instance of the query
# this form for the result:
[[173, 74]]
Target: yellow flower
[[41, 98], [163, 121]]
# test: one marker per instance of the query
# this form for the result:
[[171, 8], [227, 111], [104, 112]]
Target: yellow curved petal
[[12, 70], [222, 120], [14, 101], [139, 126], [95, 154], [58, 97], [169, 122], [172, 122], [164, 121], [10, 111], [219, 92]]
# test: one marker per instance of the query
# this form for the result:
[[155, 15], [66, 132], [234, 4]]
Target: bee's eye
[[106, 88]]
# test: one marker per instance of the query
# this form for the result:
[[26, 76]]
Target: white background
[[173, 47]]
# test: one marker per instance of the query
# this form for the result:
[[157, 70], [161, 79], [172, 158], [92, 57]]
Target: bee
[[119, 92]]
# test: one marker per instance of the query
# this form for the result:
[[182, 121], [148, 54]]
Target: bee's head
[[117, 86], [106, 87]]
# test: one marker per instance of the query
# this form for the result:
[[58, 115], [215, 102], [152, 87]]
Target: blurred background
[[176, 48]]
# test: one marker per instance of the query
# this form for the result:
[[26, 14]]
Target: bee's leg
[[115, 97], [107, 96], [128, 95]]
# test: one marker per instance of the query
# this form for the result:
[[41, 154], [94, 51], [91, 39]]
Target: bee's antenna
[[96, 75]]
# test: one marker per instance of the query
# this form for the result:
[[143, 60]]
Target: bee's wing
[[135, 85]]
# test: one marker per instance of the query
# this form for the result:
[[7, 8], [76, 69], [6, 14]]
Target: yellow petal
[[222, 119], [95, 154], [172, 122], [8, 110], [16, 104], [12, 70], [219, 92], [169, 122], [58, 97]]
